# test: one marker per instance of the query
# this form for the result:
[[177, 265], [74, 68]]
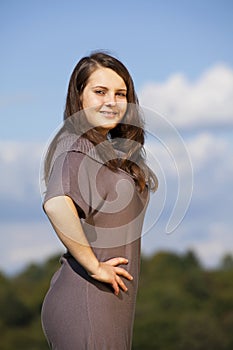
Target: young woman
[[97, 192]]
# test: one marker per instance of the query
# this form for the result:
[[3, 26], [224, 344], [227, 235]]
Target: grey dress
[[80, 313]]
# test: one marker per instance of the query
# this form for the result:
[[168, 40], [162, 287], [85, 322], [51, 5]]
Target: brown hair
[[131, 127]]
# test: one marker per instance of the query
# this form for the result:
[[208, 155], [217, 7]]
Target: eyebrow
[[104, 87]]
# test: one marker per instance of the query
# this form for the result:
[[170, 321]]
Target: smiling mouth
[[109, 114]]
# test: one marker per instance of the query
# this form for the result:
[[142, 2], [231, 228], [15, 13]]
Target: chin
[[109, 126]]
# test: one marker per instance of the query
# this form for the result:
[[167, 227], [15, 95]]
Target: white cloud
[[208, 152], [207, 148], [210, 241], [20, 164], [206, 228], [207, 101], [23, 243], [217, 242], [26, 242], [213, 169], [212, 163]]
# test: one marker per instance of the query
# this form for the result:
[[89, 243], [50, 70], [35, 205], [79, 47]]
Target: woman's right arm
[[64, 218]]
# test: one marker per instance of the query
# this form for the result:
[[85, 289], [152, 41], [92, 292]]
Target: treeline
[[180, 305]]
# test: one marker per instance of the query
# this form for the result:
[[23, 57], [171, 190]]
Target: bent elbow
[[55, 206], [52, 206], [49, 207]]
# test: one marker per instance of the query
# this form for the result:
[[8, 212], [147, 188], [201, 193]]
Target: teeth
[[112, 113], [108, 112]]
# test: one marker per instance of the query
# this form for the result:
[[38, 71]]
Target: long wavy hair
[[127, 137]]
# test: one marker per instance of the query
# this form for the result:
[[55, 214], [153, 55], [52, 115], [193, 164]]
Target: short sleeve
[[67, 179]]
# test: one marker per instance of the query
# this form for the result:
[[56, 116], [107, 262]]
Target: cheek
[[81, 100], [90, 102], [85, 99], [123, 108]]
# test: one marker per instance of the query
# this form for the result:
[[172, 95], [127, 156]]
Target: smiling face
[[104, 99]]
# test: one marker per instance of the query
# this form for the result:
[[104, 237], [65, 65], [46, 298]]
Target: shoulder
[[72, 149]]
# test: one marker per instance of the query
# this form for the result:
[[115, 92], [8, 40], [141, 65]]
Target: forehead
[[106, 77]]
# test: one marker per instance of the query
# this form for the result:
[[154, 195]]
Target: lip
[[109, 114]]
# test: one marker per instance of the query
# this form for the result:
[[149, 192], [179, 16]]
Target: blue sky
[[173, 49], [42, 40]]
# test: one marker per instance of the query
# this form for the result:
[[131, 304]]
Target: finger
[[117, 261], [115, 287], [121, 284], [124, 273]]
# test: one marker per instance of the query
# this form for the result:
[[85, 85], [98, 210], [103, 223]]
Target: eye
[[100, 92], [121, 94]]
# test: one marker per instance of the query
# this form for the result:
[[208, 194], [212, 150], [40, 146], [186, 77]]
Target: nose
[[110, 99]]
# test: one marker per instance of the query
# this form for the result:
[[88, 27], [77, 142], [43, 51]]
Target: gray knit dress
[[78, 312]]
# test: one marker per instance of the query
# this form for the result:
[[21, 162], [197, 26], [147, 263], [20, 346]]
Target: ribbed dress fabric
[[78, 312]]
